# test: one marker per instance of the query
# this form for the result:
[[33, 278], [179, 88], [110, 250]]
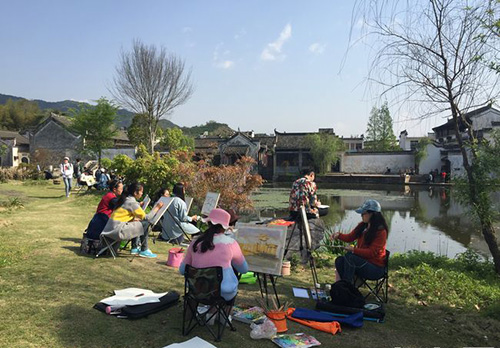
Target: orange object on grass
[[279, 320], [331, 327]]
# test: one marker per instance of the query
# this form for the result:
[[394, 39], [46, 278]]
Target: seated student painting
[[303, 193], [176, 221], [129, 221], [367, 258], [213, 248], [104, 210]]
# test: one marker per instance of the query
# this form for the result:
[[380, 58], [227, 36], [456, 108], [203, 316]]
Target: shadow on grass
[[45, 197], [74, 240]]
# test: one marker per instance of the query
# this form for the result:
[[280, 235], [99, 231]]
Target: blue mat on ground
[[354, 320]]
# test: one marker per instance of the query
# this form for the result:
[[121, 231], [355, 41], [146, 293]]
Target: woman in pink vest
[[213, 248]]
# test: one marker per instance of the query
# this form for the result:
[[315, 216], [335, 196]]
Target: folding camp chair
[[109, 244], [378, 287], [203, 286]]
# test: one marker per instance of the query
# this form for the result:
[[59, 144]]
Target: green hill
[[65, 106]]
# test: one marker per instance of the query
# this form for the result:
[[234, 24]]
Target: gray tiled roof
[[20, 140]]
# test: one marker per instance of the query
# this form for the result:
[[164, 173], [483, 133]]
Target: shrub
[[23, 172], [235, 183]]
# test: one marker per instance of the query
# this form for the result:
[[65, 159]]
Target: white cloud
[[219, 62], [317, 48], [273, 49], [187, 30], [226, 64], [240, 34]]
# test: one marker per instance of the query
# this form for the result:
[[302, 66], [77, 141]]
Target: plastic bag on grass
[[265, 330]]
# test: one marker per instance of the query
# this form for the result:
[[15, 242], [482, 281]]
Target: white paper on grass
[[299, 292], [132, 296], [194, 342]]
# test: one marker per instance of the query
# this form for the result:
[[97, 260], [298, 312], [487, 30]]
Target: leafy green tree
[[379, 133], [138, 130], [174, 139], [421, 152], [325, 150], [96, 126], [20, 114]]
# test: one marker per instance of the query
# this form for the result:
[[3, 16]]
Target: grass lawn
[[47, 289]]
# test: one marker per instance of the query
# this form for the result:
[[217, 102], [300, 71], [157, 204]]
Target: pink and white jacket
[[226, 254]]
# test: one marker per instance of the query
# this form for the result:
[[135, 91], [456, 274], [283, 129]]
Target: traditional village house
[[53, 139], [15, 149], [483, 120]]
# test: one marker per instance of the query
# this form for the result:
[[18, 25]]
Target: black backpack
[[344, 293]]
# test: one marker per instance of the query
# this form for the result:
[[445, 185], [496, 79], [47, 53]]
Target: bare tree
[[434, 54], [151, 82]]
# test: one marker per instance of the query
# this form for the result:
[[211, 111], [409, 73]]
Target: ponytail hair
[[113, 184], [130, 190], [207, 238], [178, 190]]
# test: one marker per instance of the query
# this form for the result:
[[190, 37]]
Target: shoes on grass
[[134, 251], [147, 253]]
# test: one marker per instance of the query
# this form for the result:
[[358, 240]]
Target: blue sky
[[256, 65]]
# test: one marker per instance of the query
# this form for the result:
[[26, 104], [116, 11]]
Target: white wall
[[432, 161], [377, 163]]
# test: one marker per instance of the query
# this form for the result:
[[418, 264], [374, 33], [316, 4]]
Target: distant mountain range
[[65, 106], [211, 127]]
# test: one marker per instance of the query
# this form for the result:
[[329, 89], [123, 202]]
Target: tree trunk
[[99, 155], [489, 236], [477, 205]]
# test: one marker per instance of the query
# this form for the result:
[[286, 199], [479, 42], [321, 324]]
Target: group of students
[[84, 176], [120, 216]]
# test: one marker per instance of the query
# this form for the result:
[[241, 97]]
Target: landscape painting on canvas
[[263, 246]]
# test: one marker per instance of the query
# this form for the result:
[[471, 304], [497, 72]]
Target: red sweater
[[373, 253], [103, 206]]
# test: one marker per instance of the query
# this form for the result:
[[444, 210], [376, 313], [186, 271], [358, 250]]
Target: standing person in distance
[[67, 174], [367, 258]]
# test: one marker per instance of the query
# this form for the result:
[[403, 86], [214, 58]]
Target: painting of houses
[[263, 246]]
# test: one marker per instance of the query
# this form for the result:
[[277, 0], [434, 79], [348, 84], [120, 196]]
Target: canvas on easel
[[211, 200], [145, 202], [263, 247], [166, 203], [189, 202]]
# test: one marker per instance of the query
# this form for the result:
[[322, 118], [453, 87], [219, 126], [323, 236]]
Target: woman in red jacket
[[367, 258]]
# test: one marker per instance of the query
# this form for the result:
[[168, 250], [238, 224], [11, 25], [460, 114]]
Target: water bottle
[[112, 310]]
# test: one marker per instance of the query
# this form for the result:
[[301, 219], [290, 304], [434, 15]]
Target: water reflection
[[419, 218]]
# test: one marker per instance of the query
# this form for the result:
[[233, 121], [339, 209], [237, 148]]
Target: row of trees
[[19, 115], [96, 124]]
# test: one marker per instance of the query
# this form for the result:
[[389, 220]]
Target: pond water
[[419, 218]]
